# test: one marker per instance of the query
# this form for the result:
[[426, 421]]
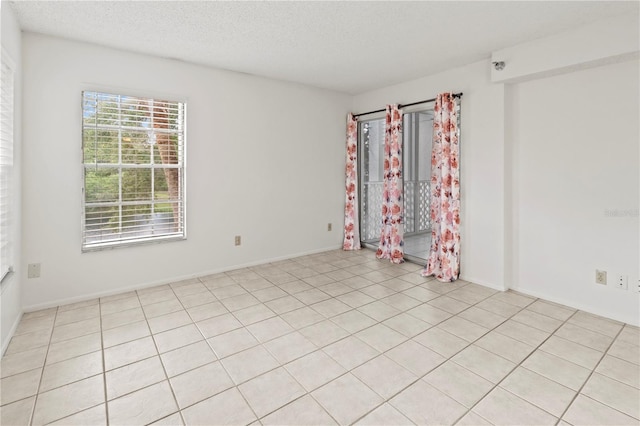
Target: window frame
[[159, 239], [6, 273]]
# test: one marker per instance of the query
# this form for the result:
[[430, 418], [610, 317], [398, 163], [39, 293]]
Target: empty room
[[320, 213]]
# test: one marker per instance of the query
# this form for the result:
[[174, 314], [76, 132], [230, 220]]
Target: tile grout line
[[35, 401]]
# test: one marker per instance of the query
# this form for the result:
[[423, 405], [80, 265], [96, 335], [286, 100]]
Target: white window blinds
[[6, 168], [134, 169]]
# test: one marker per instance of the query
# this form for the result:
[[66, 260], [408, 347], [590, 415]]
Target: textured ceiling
[[345, 46]]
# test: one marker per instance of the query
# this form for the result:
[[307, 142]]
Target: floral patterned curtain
[[391, 243], [444, 256], [351, 224]]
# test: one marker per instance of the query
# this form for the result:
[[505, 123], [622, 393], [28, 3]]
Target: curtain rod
[[455, 95]]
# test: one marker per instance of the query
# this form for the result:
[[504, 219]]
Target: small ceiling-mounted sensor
[[498, 65]]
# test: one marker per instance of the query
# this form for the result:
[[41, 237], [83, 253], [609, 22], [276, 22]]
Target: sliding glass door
[[417, 134]]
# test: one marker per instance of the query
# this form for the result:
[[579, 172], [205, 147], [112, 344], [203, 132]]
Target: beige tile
[[505, 346], [256, 284], [596, 323], [323, 333], [497, 307], [289, 347], [295, 286], [557, 369], [350, 352], [625, 351], [333, 288], [197, 299], [227, 408], [119, 305], [484, 363], [76, 315], [586, 411], [622, 397], [269, 293], [149, 298], [448, 304], [242, 301], [269, 329], [207, 311], [232, 342], [534, 388], [440, 410], [77, 305], [19, 386], [303, 317], [199, 384], [117, 296], [430, 314], [315, 370], [381, 337], [462, 328], [536, 320], [407, 325], [415, 357], [284, 304], [188, 289], [573, 352], [384, 376], [17, 413], [401, 301], [585, 337], [421, 294], [253, 314], [143, 406], [162, 308], [630, 335], [466, 296], [177, 338], [472, 419], [132, 377], [62, 402], [270, 391], [513, 298], [459, 383], [49, 312], [31, 325], [353, 321], [118, 319], [620, 370], [518, 331], [346, 399], [355, 299], [218, 325], [73, 347], [552, 310], [379, 311], [71, 370], [125, 333], [248, 364], [174, 419], [311, 296], [22, 361], [96, 416], [438, 340], [186, 358], [169, 321], [481, 317], [330, 308], [384, 415], [303, 411], [503, 408], [124, 354], [28, 341]]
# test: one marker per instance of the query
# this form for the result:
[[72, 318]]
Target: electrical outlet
[[622, 282], [238, 240], [601, 277], [329, 227], [33, 270]]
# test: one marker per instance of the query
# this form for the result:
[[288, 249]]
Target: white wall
[[265, 161], [10, 296], [481, 165], [575, 166]]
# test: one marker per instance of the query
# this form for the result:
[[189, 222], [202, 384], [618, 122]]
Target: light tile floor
[[336, 337]]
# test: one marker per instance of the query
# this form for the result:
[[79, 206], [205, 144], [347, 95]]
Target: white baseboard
[[482, 283], [68, 300], [7, 340]]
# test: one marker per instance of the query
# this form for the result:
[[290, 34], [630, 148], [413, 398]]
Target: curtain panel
[[444, 255], [391, 239], [351, 220]]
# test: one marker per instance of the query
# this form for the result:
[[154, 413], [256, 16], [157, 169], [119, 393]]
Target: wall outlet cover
[[601, 277]]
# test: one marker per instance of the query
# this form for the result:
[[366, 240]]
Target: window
[[6, 168], [133, 152]]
